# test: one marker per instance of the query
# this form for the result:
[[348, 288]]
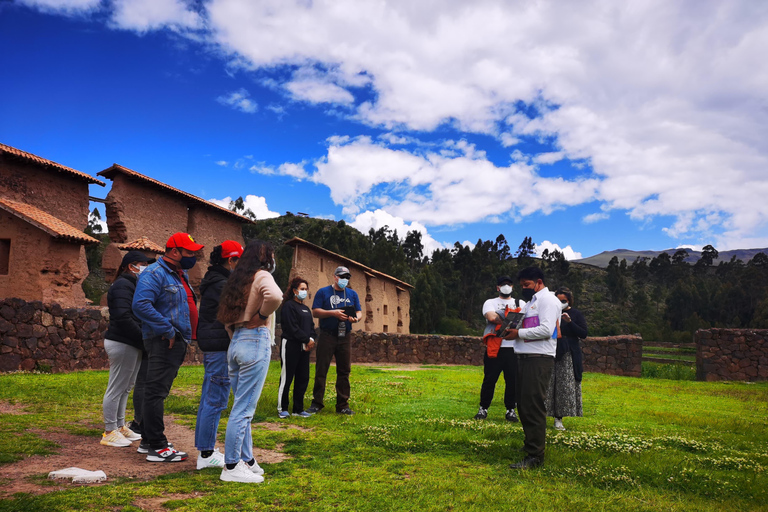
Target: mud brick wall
[[34, 335], [731, 354], [613, 355]]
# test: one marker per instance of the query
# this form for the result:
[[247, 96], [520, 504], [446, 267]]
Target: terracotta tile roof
[[49, 163], [141, 244], [46, 222], [367, 270], [110, 173]]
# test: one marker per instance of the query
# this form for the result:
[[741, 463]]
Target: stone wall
[[613, 355], [731, 354], [41, 336], [49, 337]]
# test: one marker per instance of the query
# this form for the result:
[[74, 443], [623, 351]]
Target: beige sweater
[[265, 297]]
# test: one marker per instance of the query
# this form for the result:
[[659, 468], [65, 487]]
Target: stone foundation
[[48, 337], [731, 354]]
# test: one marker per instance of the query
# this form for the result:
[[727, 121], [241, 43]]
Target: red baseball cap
[[183, 241], [231, 249]]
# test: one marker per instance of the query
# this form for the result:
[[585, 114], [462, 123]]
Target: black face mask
[[187, 262], [528, 293]]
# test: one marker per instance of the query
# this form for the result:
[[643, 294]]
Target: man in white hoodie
[[535, 347]]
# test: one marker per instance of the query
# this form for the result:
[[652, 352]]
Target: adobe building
[[43, 212], [139, 206], [386, 301]]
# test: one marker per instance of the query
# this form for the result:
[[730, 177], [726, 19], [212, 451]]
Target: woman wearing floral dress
[[564, 395]]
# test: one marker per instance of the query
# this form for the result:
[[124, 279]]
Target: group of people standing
[[154, 316], [154, 313], [541, 360]]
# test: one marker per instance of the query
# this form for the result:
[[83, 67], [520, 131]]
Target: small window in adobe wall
[[385, 310], [386, 328], [5, 256]]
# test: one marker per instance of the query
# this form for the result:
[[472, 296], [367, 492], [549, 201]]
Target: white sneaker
[[240, 473], [255, 469], [216, 460], [559, 424], [114, 438], [129, 434]]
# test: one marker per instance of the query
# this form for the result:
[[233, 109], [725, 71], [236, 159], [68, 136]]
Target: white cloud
[[222, 163], [62, 6], [594, 217], [567, 251], [666, 101], [296, 171], [377, 219], [548, 158], [663, 98], [435, 189], [101, 221], [257, 204], [144, 15], [239, 100]]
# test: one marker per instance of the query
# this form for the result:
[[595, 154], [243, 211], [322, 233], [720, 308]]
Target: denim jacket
[[160, 302]]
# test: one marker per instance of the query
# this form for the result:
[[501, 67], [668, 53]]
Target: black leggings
[[294, 362]]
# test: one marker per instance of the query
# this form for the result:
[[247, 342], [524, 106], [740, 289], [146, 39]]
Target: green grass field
[[643, 444]]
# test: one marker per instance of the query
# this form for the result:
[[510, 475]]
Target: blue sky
[[589, 128]]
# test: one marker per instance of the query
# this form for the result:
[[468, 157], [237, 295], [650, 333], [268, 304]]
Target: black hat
[[504, 279], [139, 256]]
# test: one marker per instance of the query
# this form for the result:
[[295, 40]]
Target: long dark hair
[[216, 258], [295, 282], [258, 255]]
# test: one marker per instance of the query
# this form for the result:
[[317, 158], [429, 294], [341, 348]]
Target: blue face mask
[[343, 283], [187, 262], [302, 294]]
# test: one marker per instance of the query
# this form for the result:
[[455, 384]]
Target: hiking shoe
[[129, 434], [347, 411], [511, 416], [254, 468], [481, 414], [114, 438], [240, 473], [144, 447], [529, 462], [302, 414], [167, 454], [216, 460], [283, 414], [559, 424]]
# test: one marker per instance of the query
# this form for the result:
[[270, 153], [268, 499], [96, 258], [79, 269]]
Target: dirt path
[[85, 452]]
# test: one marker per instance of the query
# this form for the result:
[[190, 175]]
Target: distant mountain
[[602, 259]]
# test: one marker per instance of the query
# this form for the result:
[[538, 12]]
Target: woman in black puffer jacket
[[124, 345], [213, 340]]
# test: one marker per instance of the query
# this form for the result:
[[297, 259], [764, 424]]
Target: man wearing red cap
[[166, 305]]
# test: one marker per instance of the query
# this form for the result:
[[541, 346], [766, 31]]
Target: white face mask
[[302, 294], [140, 269], [505, 290]]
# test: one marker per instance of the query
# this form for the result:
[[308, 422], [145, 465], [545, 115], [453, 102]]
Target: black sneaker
[[481, 414], [136, 427], [511, 416], [144, 447], [313, 409], [167, 454], [347, 411], [529, 462]]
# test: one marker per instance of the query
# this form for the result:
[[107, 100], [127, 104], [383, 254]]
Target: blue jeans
[[248, 357], [213, 399]]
